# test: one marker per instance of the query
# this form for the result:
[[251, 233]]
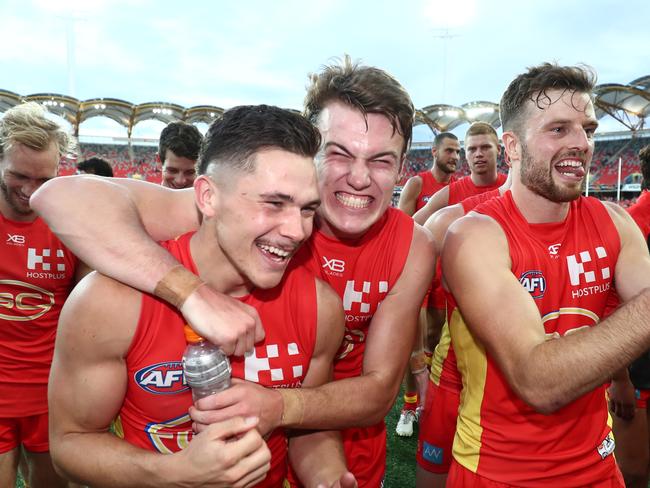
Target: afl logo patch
[[534, 282], [162, 378]]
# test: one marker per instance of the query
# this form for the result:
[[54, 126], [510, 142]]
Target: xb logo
[[336, 265], [15, 239]]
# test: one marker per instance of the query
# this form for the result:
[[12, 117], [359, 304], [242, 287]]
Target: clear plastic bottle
[[205, 366]]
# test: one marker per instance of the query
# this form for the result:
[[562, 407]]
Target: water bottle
[[205, 366]]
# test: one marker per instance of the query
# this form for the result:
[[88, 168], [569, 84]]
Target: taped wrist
[[178, 284]]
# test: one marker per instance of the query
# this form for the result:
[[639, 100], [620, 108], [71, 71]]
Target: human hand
[[243, 398], [347, 480], [228, 453], [228, 323], [621, 398]]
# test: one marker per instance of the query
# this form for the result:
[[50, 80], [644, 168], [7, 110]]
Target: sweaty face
[[177, 172], [558, 145], [481, 151], [447, 155], [264, 216], [358, 167], [22, 172]]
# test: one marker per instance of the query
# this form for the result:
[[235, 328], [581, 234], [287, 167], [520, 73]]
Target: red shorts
[[642, 397], [30, 431], [437, 426], [365, 453], [459, 476]]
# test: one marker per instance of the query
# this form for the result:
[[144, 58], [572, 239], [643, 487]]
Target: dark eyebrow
[[374, 156]]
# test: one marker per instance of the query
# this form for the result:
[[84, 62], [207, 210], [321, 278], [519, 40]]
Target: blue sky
[[228, 53]]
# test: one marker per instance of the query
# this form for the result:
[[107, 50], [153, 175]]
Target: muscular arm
[[439, 200], [409, 196], [547, 374], [87, 387], [112, 225]]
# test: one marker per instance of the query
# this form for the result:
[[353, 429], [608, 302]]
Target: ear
[[206, 195], [434, 150], [512, 146], [401, 168]]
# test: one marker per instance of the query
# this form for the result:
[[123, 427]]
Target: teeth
[[353, 201], [571, 163], [274, 250]]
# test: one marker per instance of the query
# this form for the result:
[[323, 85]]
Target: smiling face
[[177, 171], [261, 218], [22, 172], [358, 167], [557, 145]]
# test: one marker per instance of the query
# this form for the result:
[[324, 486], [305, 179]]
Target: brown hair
[[644, 160], [534, 85], [368, 89], [482, 128]]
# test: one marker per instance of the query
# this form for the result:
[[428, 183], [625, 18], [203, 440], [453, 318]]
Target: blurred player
[[38, 272], [178, 150], [416, 193]]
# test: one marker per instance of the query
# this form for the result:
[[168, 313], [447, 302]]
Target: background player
[[37, 273], [178, 150]]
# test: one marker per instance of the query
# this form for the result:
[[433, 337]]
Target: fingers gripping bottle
[[205, 366]]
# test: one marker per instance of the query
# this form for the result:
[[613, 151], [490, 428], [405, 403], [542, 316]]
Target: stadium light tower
[[446, 36]]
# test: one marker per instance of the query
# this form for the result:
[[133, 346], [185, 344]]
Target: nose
[[295, 226], [359, 175], [579, 140]]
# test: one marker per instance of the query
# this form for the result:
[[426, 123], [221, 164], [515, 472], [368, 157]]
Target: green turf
[[400, 458]]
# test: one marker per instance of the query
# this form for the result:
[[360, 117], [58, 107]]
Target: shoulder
[[440, 221]]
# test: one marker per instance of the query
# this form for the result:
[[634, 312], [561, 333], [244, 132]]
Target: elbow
[[540, 398]]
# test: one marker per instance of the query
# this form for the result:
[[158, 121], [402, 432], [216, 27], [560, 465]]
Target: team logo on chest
[[162, 378], [534, 283], [267, 361]]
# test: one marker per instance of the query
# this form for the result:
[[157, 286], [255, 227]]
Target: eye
[[274, 203]]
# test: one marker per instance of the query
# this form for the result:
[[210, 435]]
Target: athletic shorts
[[437, 427], [365, 453], [459, 476], [642, 397], [30, 431]]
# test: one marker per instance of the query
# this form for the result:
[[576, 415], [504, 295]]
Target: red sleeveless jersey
[[465, 188], [37, 276], [154, 414], [444, 371], [568, 268], [361, 272], [429, 187]]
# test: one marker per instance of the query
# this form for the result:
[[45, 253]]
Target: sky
[[227, 53]]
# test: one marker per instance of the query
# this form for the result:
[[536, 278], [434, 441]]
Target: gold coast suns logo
[[23, 302]]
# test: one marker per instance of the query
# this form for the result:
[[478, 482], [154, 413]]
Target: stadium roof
[[629, 104]]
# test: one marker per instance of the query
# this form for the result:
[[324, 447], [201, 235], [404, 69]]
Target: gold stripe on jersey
[[440, 354], [117, 428], [472, 363], [571, 311]]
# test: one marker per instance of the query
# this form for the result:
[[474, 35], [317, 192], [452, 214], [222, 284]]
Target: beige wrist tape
[[417, 362], [178, 284], [293, 409]]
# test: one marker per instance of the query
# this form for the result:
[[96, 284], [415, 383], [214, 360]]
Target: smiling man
[[178, 150], [369, 253], [530, 274]]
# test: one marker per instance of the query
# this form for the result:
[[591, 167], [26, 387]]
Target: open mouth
[[571, 168], [353, 201], [275, 254]]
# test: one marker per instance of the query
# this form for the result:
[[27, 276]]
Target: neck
[[10, 214], [439, 175], [485, 179], [214, 267], [535, 208]]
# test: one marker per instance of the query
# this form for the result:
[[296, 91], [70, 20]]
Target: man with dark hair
[[632, 431], [530, 274], [369, 253], [416, 193], [482, 150], [257, 195], [178, 150], [95, 166], [38, 272]]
